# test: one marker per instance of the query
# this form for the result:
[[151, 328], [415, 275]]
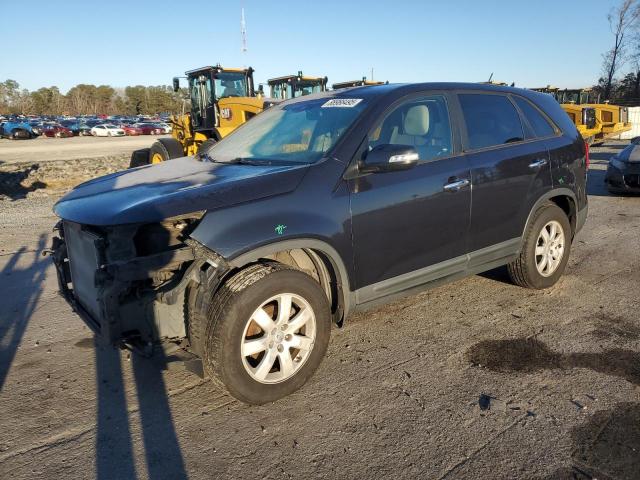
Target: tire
[[525, 271], [208, 143], [228, 315], [139, 158], [165, 149]]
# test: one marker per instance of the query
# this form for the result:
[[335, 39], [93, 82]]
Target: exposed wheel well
[[318, 266], [567, 204]]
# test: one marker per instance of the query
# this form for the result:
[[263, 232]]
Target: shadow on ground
[[16, 308], [11, 183], [114, 442], [595, 183], [605, 447]]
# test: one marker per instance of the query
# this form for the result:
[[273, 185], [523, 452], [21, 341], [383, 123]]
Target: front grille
[[84, 261], [632, 181]]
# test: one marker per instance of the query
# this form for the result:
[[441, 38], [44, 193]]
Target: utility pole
[[372, 74], [243, 32]]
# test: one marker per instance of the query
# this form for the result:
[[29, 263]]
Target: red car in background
[[57, 131], [149, 128], [131, 130]]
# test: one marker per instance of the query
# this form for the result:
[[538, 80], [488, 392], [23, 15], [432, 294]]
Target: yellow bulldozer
[[595, 121], [356, 83], [293, 86], [221, 100]]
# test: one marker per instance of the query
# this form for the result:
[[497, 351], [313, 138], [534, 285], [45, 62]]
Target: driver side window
[[422, 123]]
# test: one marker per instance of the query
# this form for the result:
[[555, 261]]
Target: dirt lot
[[477, 379], [43, 148]]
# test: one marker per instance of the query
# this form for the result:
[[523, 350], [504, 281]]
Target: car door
[[411, 226], [509, 171]]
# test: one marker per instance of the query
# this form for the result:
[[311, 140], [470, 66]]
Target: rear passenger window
[[491, 120], [540, 125]]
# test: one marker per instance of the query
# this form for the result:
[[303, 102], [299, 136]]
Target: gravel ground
[[476, 379]]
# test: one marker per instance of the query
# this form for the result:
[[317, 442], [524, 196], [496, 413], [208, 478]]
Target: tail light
[[586, 155]]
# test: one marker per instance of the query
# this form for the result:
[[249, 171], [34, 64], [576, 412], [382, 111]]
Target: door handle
[[538, 163], [455, 186]]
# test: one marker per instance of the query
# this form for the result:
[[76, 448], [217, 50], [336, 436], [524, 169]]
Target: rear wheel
[[165, 149], [267, 330], [545, 250]]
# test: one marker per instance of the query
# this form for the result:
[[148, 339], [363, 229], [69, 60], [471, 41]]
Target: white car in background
[[107, 130], [165, 126]]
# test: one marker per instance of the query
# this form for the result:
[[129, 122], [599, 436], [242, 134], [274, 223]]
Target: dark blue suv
[[317, 207]]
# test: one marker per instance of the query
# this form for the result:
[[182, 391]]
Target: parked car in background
[[58, 131], [421, 184], [166, 127], [131, 130], [72, 125], [85, 130], [149, 128], [623, 172], [16, 130], [107, 130]]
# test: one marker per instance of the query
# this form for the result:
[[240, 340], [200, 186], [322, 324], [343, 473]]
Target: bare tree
[[621, 20]]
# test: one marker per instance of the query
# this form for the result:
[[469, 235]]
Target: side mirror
[[389, 158], [176, 84]]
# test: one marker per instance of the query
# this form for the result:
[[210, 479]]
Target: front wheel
[[206, 145], [165, 149], [545, 249], [267, 330]]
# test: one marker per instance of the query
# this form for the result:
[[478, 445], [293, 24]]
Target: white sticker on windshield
[[342, 102]]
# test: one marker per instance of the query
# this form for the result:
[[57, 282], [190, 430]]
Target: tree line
[[614, 85], [86, 99]]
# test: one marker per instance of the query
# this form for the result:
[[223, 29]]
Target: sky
[[119, 43]]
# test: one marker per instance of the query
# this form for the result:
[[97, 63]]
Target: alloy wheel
[[278, 338], [549, 248]]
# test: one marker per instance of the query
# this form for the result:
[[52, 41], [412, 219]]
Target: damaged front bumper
[[126, 291], [624, 178]]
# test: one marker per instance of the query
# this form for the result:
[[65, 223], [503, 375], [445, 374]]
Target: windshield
[[299, 132], [307, 88], [284, 90], [230, 84], [281, 91]]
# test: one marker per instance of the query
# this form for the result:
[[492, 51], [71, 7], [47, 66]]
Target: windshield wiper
[[248, 161], [243, 160]]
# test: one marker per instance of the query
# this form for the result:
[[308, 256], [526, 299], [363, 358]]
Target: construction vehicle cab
[[356, 83], [221, 100], [293, 86]]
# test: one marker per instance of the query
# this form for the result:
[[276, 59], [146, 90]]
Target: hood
[[177, 187], [631, 154]]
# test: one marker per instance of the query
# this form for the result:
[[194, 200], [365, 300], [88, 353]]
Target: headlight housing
[[166, 235]]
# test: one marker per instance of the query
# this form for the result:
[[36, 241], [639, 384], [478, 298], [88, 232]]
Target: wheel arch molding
[[318, 251], [564, 198]]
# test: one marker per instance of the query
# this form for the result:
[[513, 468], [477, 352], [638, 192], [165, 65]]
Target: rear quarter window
[[491, 120], [540, 125]]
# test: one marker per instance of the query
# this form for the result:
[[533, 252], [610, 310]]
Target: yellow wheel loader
[[222, 99], [293, 86], [595, 121], [356, 83]]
